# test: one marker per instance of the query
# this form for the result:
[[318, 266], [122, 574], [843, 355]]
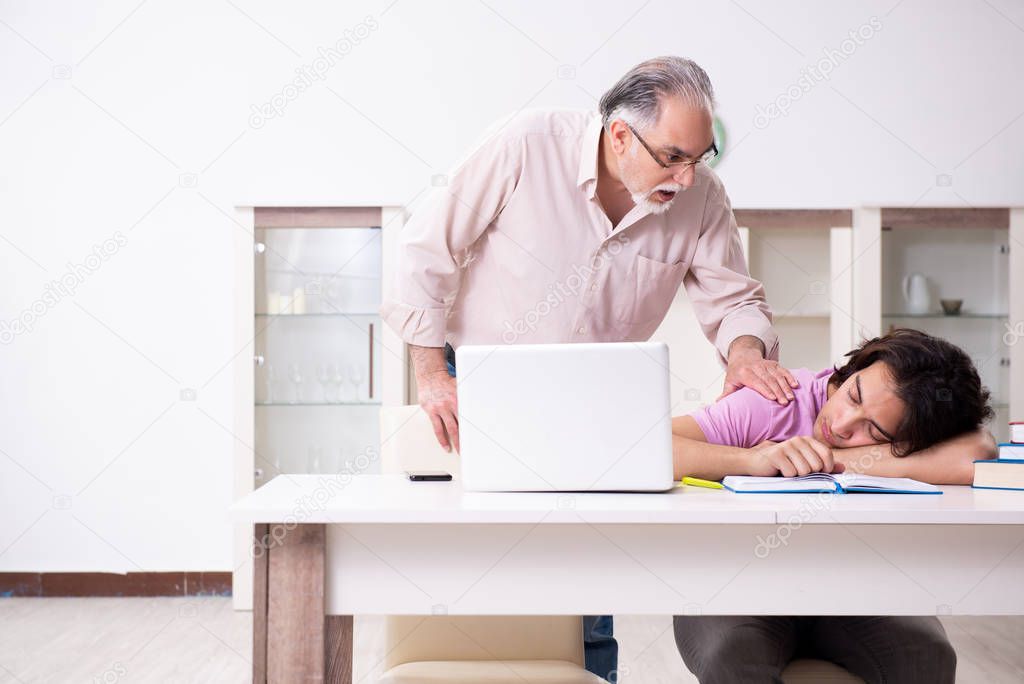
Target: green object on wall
[[718, 130]]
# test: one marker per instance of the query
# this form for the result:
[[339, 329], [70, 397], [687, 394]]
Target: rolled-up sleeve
[[434, 242], [728, 303]]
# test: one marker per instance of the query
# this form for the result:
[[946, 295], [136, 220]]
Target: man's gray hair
[[636, 98]]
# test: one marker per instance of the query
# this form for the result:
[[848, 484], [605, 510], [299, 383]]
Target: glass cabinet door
[[317, 349], [968, 270]]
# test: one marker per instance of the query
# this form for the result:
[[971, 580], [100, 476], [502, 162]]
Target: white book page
[[747, 483], [824, 481], [1017, 433], [849, 480]]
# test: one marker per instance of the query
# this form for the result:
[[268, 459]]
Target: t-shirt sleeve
[[740, 419]]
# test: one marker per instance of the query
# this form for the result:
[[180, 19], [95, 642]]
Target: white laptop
[[565, 417]]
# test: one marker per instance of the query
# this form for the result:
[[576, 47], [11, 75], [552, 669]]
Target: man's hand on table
[[436, 394], [437, 397], [747, 367]]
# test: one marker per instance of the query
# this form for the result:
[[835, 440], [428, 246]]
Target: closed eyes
[[871, 424]]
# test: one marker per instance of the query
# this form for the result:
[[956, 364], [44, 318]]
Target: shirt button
[[593, 288], [581, 330]]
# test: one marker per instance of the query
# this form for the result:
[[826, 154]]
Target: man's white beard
[[644, 201]]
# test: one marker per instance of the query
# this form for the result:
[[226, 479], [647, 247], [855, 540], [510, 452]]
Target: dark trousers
[[600, 650], [739, 649]]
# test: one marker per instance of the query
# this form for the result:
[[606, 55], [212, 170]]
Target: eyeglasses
[[706, 157]]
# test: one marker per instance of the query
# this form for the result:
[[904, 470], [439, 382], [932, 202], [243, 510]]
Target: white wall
[[102, 466]]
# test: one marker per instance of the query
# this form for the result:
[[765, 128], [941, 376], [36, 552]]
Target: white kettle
[[915, 293]]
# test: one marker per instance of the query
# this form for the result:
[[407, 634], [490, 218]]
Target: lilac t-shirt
[[745, 418]]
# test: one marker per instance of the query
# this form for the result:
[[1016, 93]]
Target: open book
[[827, 482]]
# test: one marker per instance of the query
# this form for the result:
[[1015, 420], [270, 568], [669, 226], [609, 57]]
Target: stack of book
[[1007, 471]]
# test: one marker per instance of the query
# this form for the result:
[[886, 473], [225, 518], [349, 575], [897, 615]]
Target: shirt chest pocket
[[648, 289]]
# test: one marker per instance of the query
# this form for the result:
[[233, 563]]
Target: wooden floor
[[203, 640]]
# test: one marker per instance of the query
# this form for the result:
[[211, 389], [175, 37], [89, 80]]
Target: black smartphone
[[428, 475]]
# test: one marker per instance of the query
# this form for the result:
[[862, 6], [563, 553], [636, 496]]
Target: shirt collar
[[589, 150]]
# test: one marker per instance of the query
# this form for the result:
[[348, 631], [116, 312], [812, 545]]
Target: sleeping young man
[[904, 405]]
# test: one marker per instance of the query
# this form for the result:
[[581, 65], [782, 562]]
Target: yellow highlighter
[[697, 482]]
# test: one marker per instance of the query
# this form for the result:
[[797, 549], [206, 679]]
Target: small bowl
[[951, 307]]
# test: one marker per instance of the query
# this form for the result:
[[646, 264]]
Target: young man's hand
[[796, 456]]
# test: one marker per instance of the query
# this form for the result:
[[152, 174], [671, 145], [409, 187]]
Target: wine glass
[[356, 376], [337, 379], [295, 375], [269, 380], [324, 378], [314, 459]]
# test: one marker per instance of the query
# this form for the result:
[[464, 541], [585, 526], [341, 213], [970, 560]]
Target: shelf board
[[951, 217], [942, 315], [318, 403]]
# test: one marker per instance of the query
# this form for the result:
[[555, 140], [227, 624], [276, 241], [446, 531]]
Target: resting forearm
[[426, 360], [706, 461], [946, 463], [745, 344]]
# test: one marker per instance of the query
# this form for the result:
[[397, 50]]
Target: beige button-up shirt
[[517, 249]]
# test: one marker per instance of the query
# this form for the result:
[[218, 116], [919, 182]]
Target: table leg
[[338, 649], [292, 638], [259, 603], [289, 626]]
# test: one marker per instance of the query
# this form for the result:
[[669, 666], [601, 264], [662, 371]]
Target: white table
[[379, 544]]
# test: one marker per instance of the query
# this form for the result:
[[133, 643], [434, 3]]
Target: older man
[[568, 226]]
